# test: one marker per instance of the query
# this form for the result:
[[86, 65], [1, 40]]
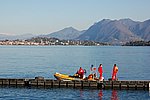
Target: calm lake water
[[32, 61]]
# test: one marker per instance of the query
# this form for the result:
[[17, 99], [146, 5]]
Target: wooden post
[[120, 85], [74, 84], [82, 84], [99, 85], [149, 89], [66, 84], [112, 85], [149, 86], [135, 86], [44, 84], [37, 83], [9, 81], [127, 86], [51, 84], [2, 82], [59, 84], [103, 86], [16, 83]]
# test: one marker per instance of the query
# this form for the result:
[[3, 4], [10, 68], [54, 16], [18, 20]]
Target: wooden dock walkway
[[49, 83]]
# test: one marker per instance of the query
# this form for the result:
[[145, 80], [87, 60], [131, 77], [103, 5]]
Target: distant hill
[[117, 31], [4, 36], [65, 34]]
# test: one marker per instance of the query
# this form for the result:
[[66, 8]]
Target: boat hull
[[60, 76]]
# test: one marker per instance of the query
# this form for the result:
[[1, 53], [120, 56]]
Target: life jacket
[[116, 69], [81, 71], [100, 70]]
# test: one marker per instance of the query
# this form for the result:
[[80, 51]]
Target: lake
[[32, 61]]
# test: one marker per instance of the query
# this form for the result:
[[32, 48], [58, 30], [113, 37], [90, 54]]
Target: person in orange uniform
[[81, 73], [114, 74], [100, 70]]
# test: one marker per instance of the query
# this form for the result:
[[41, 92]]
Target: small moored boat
[[60, 76], [66, 77]]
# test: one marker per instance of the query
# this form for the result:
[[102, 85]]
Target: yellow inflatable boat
[[60, 76]]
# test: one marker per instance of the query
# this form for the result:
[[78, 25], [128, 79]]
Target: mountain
[[117, 31], [144, 30], [65, 34], [4, 36]]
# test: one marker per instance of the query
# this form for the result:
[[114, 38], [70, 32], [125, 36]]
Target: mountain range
[[106, 30], [111, 31], [117, 31]]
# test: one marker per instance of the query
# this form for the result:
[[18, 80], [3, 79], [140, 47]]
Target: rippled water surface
[[71, 94], [32, 61]]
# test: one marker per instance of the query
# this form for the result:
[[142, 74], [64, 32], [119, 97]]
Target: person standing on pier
[[100, 70], [93, 71], [114, 73]]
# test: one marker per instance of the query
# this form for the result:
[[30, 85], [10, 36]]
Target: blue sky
[[46, 16]]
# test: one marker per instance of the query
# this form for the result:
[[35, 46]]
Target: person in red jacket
[[114, 73], [100, 70], [81, 73]]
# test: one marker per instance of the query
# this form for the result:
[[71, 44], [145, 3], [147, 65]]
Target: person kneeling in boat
[[81, 73]]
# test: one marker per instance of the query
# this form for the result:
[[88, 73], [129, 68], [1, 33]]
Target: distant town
[[137, 43], [50, 41], [54, 41]]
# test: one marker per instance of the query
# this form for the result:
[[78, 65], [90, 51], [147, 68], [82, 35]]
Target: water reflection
[[114, 95], [100, 94], [81, 93]]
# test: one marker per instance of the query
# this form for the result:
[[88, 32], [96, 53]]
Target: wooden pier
[[49, 83]]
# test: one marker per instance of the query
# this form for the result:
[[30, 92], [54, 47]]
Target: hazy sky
[[46, 16]]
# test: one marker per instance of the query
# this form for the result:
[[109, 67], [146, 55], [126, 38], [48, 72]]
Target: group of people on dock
[[81, 72]]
